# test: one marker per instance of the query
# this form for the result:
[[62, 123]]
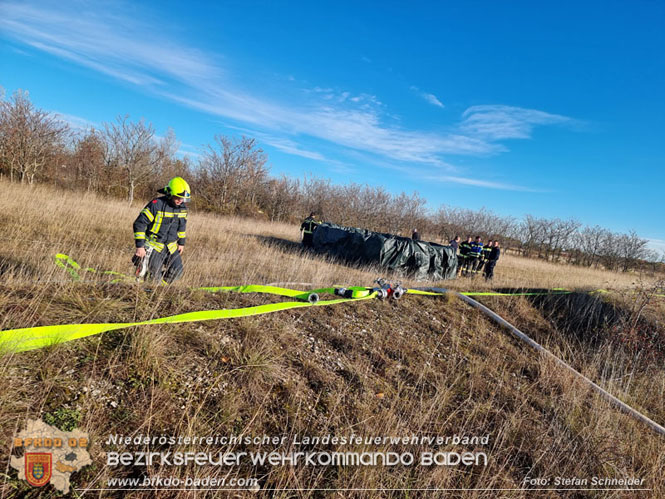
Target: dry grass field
[[220, 251], [419, 366]]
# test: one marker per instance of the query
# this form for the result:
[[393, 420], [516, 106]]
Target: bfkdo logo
[[49, 455], [38, 468]]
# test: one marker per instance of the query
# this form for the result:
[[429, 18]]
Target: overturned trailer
[[418, 260]]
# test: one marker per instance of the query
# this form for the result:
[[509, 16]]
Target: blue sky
[[555, 109]]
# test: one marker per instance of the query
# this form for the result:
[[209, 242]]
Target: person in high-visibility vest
[[491, 262], [484, 256], [473, 258], [161, 228], [463, 257], [308, 226]]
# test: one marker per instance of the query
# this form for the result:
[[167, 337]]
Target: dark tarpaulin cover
[[417, 259]]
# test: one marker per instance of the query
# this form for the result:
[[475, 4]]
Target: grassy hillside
[[419, 366]]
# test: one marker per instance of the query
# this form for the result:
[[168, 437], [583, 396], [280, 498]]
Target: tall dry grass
[[417, 366], [97, 233]]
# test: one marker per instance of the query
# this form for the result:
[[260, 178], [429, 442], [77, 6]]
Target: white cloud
[[188, 150], [283, 144], [431, 98], [449, 179], [76, 122], [290, 147], [657, 245], [496, 122], [105, 41]]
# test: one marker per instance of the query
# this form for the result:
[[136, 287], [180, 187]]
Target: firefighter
[[464, 250], [308, 227], [491, 262], [160, 228], [454, 243], [415, 235], [484, 256], [473, 257]]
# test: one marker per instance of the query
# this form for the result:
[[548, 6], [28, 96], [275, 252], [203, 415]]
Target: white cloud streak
[[431, 98], [76, 122], [496, 122], [657, 245], [450, 179]]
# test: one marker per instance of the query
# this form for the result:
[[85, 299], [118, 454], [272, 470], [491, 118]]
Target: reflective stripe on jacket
[[476, 249], [309, 225]]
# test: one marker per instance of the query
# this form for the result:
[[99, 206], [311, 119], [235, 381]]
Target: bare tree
[[558, 236], [532, 235], [29, 138], [232, 174], [631, 249], [407, 212], [609, 252], [319, 195], [88, 161], [280, 197], [589, 243], [131, 148]]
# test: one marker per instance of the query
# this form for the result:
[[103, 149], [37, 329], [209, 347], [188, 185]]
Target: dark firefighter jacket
[[486, 252], [464, 248], [161, 223], [309, 225], [476, 249], [495, 254]]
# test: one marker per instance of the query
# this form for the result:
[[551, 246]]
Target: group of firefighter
[[474, 257]]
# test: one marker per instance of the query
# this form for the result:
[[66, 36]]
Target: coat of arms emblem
[[38, 468]]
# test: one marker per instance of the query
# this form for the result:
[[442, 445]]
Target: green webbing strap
[[356, 291], [32, 338], [421, 292], [273, 290], [71, 266], [68, 264]]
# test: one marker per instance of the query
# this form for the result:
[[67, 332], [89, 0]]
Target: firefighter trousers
[[470, 265], [165, 266], [489, 269]]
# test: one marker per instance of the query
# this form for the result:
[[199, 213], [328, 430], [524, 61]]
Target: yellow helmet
[[179, 188]]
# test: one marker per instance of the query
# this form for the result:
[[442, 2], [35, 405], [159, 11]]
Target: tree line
[[127, 159]]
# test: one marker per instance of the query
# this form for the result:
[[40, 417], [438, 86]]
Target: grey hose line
[[519, 334]]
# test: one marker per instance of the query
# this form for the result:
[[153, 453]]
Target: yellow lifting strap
[[32, 338]]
